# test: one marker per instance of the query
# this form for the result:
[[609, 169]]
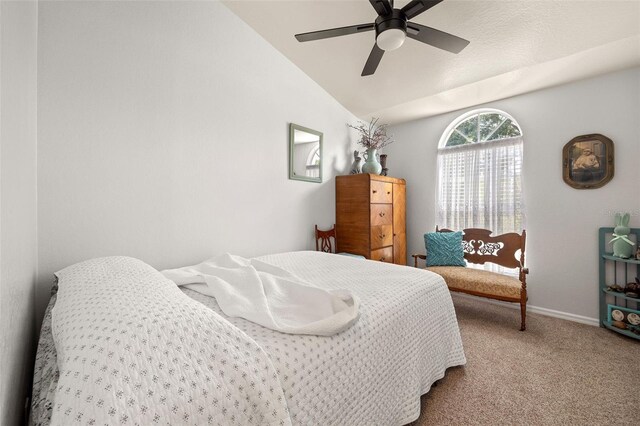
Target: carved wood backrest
[[480, 247], [323, 240]]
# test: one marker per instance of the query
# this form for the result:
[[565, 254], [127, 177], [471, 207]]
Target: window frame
[[442, 144]]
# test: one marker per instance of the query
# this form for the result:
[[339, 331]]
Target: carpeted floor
[[556, 373]]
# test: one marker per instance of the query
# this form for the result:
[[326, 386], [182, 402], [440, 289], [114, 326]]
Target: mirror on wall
[[305, 154]]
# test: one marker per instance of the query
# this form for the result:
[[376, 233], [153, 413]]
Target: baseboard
[[534, 309]]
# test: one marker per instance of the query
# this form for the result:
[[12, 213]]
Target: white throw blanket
[[269, 296]]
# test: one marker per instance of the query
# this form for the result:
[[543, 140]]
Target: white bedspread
[[133, 349], [374, 372], [269, 295]]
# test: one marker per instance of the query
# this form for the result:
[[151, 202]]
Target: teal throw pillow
[[444, 249]]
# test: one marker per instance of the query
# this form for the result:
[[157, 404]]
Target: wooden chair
[[481, 247], [323, 240]]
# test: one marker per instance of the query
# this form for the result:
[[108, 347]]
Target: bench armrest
[[416, 257]]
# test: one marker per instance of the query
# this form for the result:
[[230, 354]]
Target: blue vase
[[371, 163]]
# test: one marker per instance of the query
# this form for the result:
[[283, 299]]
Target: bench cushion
[[479, 281]]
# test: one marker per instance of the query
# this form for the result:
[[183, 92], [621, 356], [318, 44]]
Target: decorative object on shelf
[[633, 289], [588, 161], [634, 319], [638, 252], [616, 288], [383, 163], [305, 154], [622, 245], [356, 166], [624, 318], [372, 137], [619, 324], [617, 315], [619, 280], [635, 329]]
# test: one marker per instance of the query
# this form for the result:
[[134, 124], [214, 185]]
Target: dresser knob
[[382, 259], [381, 214], [388, 192], [374, 191], [382, 236]]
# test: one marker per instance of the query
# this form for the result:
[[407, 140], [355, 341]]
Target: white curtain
[[480, 186]]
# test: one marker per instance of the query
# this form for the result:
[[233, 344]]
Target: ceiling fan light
[[391, 39]]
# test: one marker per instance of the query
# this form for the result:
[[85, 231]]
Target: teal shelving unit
[[614, 270]]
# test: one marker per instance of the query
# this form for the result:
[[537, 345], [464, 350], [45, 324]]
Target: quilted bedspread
[[374, 372], [133, 349], [371, 374]]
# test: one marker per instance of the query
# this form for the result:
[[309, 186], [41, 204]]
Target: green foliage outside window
[[483, 127]]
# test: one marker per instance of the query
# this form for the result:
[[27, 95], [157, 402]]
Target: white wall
[[562, 222], [18, 255], [163, 135]]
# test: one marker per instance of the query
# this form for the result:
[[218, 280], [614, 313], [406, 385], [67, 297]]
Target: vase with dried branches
[[373, 136]]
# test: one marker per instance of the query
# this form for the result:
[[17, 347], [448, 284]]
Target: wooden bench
[[479, 248]]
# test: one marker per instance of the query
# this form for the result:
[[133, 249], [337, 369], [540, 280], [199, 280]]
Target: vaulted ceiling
[[516, 46]]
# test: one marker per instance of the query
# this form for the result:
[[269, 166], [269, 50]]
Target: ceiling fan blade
[[436, 38], [416, 7], [372, 61], [382, 7], [334, 32]]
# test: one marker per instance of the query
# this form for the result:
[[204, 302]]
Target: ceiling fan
[[392, 27]]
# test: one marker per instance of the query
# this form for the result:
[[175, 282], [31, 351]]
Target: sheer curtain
[[480, 186]]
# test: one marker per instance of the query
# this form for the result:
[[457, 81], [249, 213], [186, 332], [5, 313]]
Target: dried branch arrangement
[[372, 135]]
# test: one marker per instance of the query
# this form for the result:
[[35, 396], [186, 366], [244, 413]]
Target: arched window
[[480, 173], [481, 126], [313, 162]]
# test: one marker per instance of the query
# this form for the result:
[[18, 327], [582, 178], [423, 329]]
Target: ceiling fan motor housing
[[395, 24]]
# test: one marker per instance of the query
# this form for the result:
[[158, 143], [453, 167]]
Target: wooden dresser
[[370, 217]]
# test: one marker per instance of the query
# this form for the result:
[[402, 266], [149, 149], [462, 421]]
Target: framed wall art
[[588, 161]]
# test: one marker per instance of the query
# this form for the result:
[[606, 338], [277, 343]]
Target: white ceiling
[[516, 46]]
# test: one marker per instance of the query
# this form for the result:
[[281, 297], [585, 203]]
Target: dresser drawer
[[383, 255], [381, 214], [381, 192], [381, 236]]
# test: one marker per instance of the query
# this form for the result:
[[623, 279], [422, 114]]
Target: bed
[[373, 373]]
